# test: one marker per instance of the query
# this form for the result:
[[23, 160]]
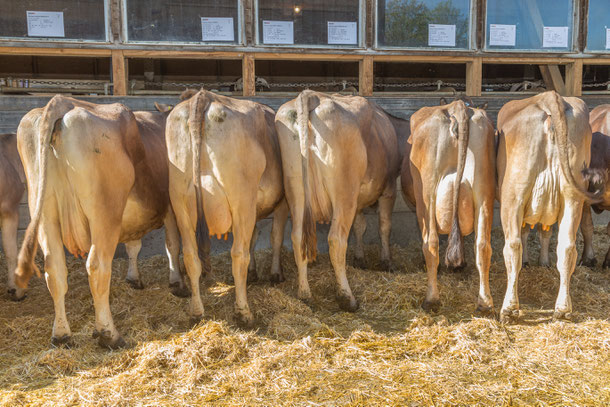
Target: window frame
[[472, 33], [238, 43], [58, 40], [586, 49], [361, 34], [572, 47]]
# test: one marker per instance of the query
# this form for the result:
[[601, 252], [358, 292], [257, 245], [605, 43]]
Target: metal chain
[[596, 84], [63, 83]]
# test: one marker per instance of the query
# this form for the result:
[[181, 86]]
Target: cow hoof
[[458, 269], [562, 316], [62, 341], [195, 320], [359, 263], [544, 264], [485, 311], [105, 340], [244, 319], [276, 278], [588, 262], [180, 291], [252, 277], [431, 307], [508, 316], [16, 295], [347, 303], [606, 264], [525, 264], [135, 284]]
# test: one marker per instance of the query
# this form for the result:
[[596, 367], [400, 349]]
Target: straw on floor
[[389, 352]]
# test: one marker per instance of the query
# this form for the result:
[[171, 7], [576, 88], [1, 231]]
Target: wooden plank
[[574, 78], [370, 11], [179, 54], [307, 56], [474, 77], [365, 76], [423, 58], [119, 73], [71, 52], [552, 78], [248, 75]]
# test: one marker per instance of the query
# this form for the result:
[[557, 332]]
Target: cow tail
[[196, 124], [53, 111], [308, 238], [554, 104], [454, 256]]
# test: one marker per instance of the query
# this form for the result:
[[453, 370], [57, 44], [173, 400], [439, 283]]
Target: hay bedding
[[389, 352]]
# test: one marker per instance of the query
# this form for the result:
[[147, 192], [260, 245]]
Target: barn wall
[[13, 108]]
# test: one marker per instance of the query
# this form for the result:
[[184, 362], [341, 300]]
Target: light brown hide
[[431, 171], [96, 175], [233, 159], [12, 178], [543, 143], [339, 155]]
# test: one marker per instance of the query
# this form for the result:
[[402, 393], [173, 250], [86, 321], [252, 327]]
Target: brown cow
[[600, 160], [96, 176], [339, 155], [225, 173], [401, 127], [543, 142], [12, 178], [452, 170]]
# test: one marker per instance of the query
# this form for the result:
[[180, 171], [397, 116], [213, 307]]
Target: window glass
[[208, 21], [598, 35], [53, 19], [529, 24], [423, 23], [333, 23]]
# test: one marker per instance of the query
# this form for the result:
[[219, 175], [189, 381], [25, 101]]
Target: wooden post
[[365, 76], [248, 75], [119, 72], [552, 78], [574, 78], [474, 77]]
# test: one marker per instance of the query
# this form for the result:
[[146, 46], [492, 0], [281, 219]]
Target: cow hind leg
[[431, 255], [359, 228], [10, 222], [133, 275], [607, 259], [386, 205], [304, 292], [483, 221], [566, 256], [243, 228], [525, 233], [280, 217], [252, 275], [99, 267], [337, 249], [511, 223], [56, 275], [545, 239], [586, 228], [177, 285]]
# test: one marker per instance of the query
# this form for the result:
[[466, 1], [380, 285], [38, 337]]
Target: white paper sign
[[555, 37], [340, 32], [217, 29], [45, 23], [278, 32], [441, 35], [607, 38], [502, 34]]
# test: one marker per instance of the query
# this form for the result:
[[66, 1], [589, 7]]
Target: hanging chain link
[[597, 84]]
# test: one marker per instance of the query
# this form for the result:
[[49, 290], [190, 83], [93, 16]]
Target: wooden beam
[[574, 78], [178, 54], [474, 77], [365, 76], [248, 75], [69, 52], [119, 73], [552, 78]]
